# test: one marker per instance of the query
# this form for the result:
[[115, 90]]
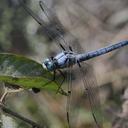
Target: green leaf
[[26, 73]]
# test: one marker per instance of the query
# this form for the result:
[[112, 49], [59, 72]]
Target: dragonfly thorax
[[61, 60]]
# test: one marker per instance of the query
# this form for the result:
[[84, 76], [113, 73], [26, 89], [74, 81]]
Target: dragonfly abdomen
[[89, 55]]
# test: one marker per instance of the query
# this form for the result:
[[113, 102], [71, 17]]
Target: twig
[[14, 114]]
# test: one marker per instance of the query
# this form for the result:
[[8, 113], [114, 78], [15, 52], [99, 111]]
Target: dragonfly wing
[[69, 97], [53, 29], [31, 13], [91, 91], [58, 29], [71, 109]]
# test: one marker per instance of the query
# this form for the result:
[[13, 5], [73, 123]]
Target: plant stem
[[14, 114]]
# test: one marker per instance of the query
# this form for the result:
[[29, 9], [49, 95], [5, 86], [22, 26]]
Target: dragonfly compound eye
[[48, 64]]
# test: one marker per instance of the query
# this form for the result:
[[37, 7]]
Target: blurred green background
[[87, 25]]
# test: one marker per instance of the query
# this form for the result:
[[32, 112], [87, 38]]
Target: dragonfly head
[[49, 64]]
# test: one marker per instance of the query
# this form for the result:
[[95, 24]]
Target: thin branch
[[14, 114]]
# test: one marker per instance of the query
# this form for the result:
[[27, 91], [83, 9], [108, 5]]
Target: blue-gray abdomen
[[89, 55]]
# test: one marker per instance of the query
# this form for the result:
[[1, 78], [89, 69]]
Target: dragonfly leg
[[36, 90], [61, 73], [53, 79], [60, 90]]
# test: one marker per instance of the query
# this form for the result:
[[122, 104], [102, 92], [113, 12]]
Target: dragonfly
[[67, 58]]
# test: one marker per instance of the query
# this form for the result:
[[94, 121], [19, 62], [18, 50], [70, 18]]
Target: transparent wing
[[91, 91], [72, 106], [31, 13], [69, 97], [53, 30], [55, 26]]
